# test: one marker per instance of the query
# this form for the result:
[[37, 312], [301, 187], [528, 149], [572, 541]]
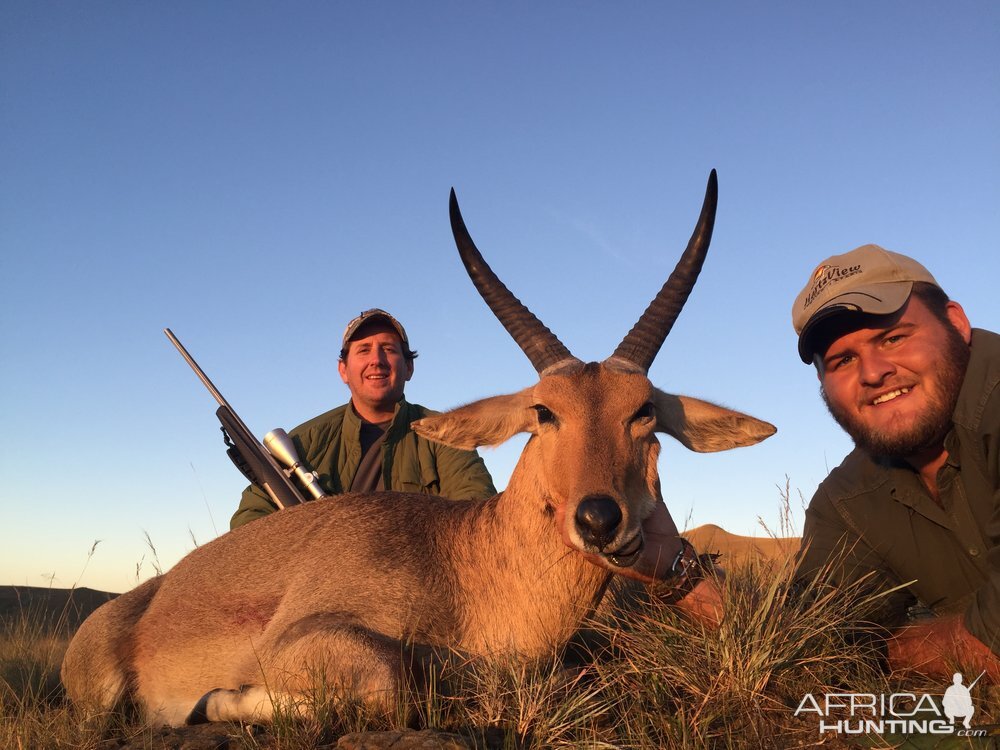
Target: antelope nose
[[597, 520]]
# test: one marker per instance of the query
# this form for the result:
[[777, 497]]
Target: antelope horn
[[539, 343], [640, 346]]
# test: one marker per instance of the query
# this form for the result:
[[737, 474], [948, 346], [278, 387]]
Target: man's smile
[[889, 396]]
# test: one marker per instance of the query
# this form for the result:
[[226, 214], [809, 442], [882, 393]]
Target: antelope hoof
[[626, 556]]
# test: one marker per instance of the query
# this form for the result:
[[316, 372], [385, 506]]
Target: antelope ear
[[490, 421], [704, 427]]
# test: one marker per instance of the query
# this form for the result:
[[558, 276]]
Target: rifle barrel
[[208, 383], [197, 370], [273, 478]]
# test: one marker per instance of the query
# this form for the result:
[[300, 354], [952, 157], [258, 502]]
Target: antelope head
[[591, 463]]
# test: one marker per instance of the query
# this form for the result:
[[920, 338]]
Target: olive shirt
[[330, 444], [877, 518]]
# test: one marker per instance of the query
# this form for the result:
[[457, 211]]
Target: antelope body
[[352, 587]]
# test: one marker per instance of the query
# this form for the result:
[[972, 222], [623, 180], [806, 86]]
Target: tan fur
[[355, 588], [490, 421], [704, 427], [96, 667]]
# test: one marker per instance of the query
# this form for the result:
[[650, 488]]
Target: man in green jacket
[[367, 445], [916, 506]]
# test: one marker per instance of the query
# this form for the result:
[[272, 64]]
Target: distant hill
[[740, 549], [49, 606]]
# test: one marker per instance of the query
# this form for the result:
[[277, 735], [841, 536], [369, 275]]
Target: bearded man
[[914, 510]]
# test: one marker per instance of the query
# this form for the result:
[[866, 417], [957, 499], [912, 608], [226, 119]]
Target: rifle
[[271, 468]]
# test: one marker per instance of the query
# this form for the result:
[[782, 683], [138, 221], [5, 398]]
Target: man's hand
[[661, 545], [937, 647], [704, 603]]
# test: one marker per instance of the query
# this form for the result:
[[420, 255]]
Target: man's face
[[893, 388], [375, 369]]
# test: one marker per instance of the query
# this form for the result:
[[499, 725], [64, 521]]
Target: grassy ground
[[656, 680]]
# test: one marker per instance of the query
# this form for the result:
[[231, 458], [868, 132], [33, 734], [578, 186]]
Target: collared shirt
[[369, 477], [875, 518]]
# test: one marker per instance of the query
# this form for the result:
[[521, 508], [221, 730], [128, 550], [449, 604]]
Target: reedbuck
[[355, 586]]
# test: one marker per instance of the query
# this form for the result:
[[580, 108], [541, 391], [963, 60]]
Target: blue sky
[[252, 175]]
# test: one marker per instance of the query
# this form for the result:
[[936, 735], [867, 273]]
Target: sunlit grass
[[654, 679], [33, 709]]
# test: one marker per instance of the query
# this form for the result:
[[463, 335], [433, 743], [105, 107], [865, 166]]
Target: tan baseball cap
[[869, 279], [374, 314]]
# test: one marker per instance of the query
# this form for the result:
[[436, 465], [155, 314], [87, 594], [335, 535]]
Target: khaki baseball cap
[[869, 279], [366, 317]]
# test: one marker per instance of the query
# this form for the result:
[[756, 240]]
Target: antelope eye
[[544, 415], [646, 411]]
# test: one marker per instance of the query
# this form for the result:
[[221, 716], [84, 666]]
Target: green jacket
[[330, 445], [876, 517]]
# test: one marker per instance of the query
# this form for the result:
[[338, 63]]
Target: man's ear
[[704, 427], [489, 421], [342, 369], [409, 369], [959, 319]]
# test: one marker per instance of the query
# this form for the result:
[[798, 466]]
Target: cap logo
[[826, 275]]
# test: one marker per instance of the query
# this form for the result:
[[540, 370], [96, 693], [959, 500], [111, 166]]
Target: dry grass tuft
[[737, 686]]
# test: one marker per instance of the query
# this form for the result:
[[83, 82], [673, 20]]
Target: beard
[[930, 429]]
